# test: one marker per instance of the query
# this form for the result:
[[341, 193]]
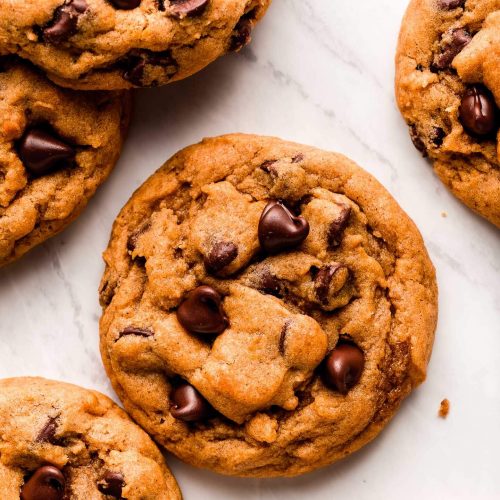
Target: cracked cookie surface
[[266, 306], [56, 147], [448, 90], [60, 441], [119, 44]]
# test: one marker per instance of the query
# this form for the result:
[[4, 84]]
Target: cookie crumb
[[444, 408], [444, 214]]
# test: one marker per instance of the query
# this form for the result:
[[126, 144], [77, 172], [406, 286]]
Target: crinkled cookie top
[[60, 441], [118, 44], [56, 147], [448, 88], [266, 306]]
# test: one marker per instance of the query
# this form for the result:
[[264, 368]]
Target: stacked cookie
[[267, 306], [58, 145], [119, 44]]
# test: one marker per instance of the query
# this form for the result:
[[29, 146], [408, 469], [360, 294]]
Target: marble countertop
[[319, 72]]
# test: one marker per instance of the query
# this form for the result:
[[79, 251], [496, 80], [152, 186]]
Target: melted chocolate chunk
[[135, 62], [459, 39], [279, 229], [42, 151], [135, 235], [220, 256], [270, 284], [188, 8], [112, 484], [437, 136], [189, 405], [323, 280], [242, 32], [267, 165], [202, 312], [417, 141], [450, 4], [478, 112], [46, 483], [338, 226], [138, 332], [48, 432], [126, 4], [65, 21], [343, 367]]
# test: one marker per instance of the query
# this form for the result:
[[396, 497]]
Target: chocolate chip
[[202, 312], [279, 229], [269, 284], [459, 39], [191, 8], [47, 434], [111, 484], [132, 242], [135, 71], [266, 165], [323, 279], [79, 5], [189, 405], [242, 34], [42, 152], [65, 21], [343, 367], [298, 158], [126, 4], [46, 483], [478, 111], [139, 332], [136, 234], [451, 4], [284, 331], [417, 141], [220, 256], [437, 136], [313, 271], [134, 64], [337, 227]]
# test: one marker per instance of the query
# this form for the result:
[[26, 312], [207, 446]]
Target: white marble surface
[[318, 72]]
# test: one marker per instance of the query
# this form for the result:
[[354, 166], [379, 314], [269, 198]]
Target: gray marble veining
[[319, 72]]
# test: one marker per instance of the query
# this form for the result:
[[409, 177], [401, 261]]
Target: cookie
[[60, 441], [119, 44], [56, 147], [266, 306], [448, 90]]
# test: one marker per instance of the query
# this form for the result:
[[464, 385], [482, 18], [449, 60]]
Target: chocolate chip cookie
[[60, 441], [267, 306], [118, 44], [448, 89], [56, 147]]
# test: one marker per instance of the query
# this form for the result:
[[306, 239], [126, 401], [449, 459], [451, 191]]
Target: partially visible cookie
[[267, 306], [118, 44], [448, 90], [56, 147], [60, 441]]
